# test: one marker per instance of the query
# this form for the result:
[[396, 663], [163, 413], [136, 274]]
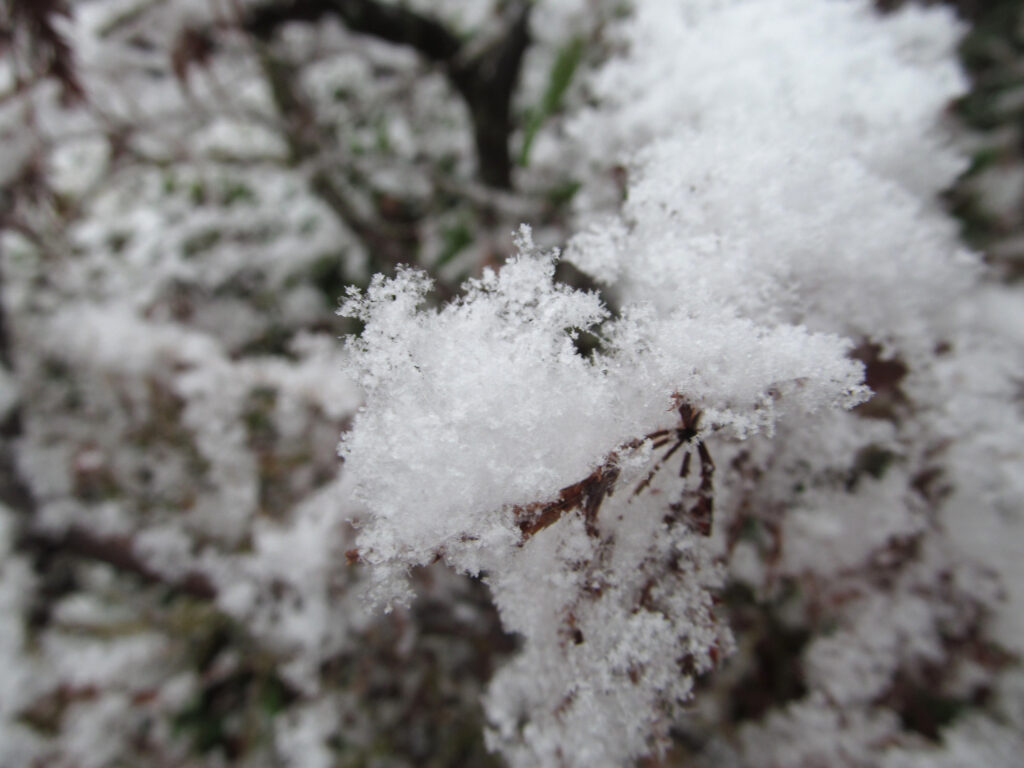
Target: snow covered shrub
[[989, 198], [730, 478], [804, 406]]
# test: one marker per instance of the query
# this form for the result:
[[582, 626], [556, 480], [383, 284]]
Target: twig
[[586, 495]]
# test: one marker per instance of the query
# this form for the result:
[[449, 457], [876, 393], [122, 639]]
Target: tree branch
[[484, 78], [118, 552], [392, 23], [486, 82]]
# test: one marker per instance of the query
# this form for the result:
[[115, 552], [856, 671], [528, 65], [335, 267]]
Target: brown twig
[[586, 495]]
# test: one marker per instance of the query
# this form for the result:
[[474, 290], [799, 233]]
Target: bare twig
[[586, 495]]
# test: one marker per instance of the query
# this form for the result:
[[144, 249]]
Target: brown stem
[[586, 495]]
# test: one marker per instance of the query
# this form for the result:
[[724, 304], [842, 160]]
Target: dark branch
[[392, 23], [485, 79], [14, 491], [118, 552], [486, 83], [49, 50]]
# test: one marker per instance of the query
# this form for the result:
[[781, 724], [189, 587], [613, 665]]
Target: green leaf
[[560, 77], [453, 238]]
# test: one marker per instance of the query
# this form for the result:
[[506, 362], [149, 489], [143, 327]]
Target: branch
[[14, 491], [392, 23], [485, 78], [118, 552], [50, 53], [486, 82], [586, 495]]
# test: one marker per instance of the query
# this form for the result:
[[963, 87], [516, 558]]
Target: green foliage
[[562, 193], [200, 242], [326, 275], [559, 79], [454, 238]]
